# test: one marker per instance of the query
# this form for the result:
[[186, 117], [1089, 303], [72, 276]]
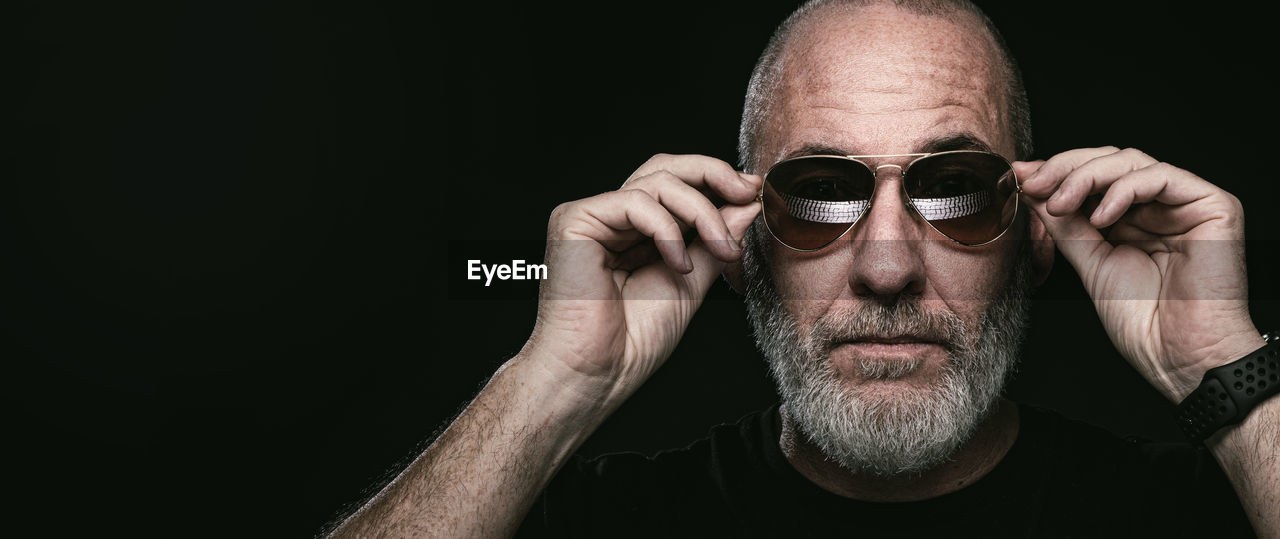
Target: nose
[[887, 258]]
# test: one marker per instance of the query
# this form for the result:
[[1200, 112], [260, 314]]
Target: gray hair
[[767, 76]]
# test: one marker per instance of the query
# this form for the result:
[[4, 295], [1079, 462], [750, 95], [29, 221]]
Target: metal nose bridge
[[878, 167]]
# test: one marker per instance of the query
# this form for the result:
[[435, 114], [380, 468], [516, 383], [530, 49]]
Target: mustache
[[905, 319]]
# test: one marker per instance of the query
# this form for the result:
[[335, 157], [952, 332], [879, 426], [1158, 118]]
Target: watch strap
[[1229, 392]]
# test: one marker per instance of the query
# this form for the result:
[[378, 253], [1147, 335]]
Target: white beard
[[906, 433]]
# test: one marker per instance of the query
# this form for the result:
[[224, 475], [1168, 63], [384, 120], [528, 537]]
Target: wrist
[[584, 397], [1229, 394], [1231, 347]]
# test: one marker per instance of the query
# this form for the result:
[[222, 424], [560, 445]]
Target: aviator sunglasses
[[811, 201]]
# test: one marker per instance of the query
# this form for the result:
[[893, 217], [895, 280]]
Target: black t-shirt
[[1061, 478]]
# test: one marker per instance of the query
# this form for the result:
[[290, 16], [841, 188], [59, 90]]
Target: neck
[[971, 462]]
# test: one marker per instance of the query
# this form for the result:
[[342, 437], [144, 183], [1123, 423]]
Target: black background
[[234, 232]]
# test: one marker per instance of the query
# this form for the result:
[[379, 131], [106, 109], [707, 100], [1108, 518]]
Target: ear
[[1042, 250]]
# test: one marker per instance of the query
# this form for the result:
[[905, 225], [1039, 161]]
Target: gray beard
[[907, 433]]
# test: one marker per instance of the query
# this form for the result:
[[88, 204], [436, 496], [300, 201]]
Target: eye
[[827, 188], [948, 184]]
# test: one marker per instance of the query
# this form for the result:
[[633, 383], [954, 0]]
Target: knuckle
[[654, 179], [558, 213], [1229, 210], [634, 196], [664, 176], [635, 182], [1134, 153], [1079, 174], [1165, 168], [669, 229], [658, 158], [558, 223], [720, 164], [1229, 202]]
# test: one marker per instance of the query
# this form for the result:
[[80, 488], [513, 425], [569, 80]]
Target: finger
[[691, 207], [1025, 169], [1125, 233], [622, 240], [1047, 178], [1163, 220], [636, 253], [738, 218], [703, 172], [1094, 176], [634, 210], [707, 267], [641, 254], [1158, 182], [1080, 243]]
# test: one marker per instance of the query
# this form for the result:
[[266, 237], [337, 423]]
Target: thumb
[[1025, 169], [1080, 243], [706, 267]]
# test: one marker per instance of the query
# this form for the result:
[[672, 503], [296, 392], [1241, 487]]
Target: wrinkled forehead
[[880, 80]]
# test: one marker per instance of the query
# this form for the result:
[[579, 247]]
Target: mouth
[[891, 343], [899, 339], [904, 348], [890, 350]]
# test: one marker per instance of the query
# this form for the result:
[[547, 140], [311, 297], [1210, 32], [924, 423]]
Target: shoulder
[[1051, 433], [725, 444], [1167, 485], [662, 493], [1077, 452]]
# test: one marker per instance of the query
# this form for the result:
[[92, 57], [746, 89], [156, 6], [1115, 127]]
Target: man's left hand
[[1168, 278]]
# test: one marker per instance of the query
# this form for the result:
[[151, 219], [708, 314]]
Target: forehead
[[880, 80]]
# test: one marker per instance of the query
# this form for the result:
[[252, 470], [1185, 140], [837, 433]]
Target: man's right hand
[[621, 287], [622, 283]]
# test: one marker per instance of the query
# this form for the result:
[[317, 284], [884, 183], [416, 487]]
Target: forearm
[[482, 475], [1250, 455]]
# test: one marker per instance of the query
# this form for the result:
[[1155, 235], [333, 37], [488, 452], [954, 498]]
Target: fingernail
[[688, 262], [1093, 218], [736, 245]]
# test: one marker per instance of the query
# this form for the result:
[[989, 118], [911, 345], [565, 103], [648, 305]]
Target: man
[[890, 333]]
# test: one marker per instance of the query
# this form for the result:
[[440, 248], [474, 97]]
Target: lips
[[876, 348], [889, 340], [899, 348], [901, 339]]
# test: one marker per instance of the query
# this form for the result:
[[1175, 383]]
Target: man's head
[[819, 21], [890, 346]]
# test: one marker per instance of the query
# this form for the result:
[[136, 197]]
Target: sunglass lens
[[968, 196], [811, 201]]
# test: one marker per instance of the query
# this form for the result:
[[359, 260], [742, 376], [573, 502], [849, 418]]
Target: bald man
[[890, 322]]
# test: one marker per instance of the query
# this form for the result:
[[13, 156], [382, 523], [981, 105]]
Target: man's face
[[893, 320]]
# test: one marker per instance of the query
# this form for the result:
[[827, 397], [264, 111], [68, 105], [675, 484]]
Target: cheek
[[966, 280], [809, 283], [958, 273]]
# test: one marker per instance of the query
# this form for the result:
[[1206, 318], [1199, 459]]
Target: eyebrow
[[944, 143], [954, 141]]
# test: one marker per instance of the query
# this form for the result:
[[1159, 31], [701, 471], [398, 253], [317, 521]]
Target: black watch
[[1228, 393]]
